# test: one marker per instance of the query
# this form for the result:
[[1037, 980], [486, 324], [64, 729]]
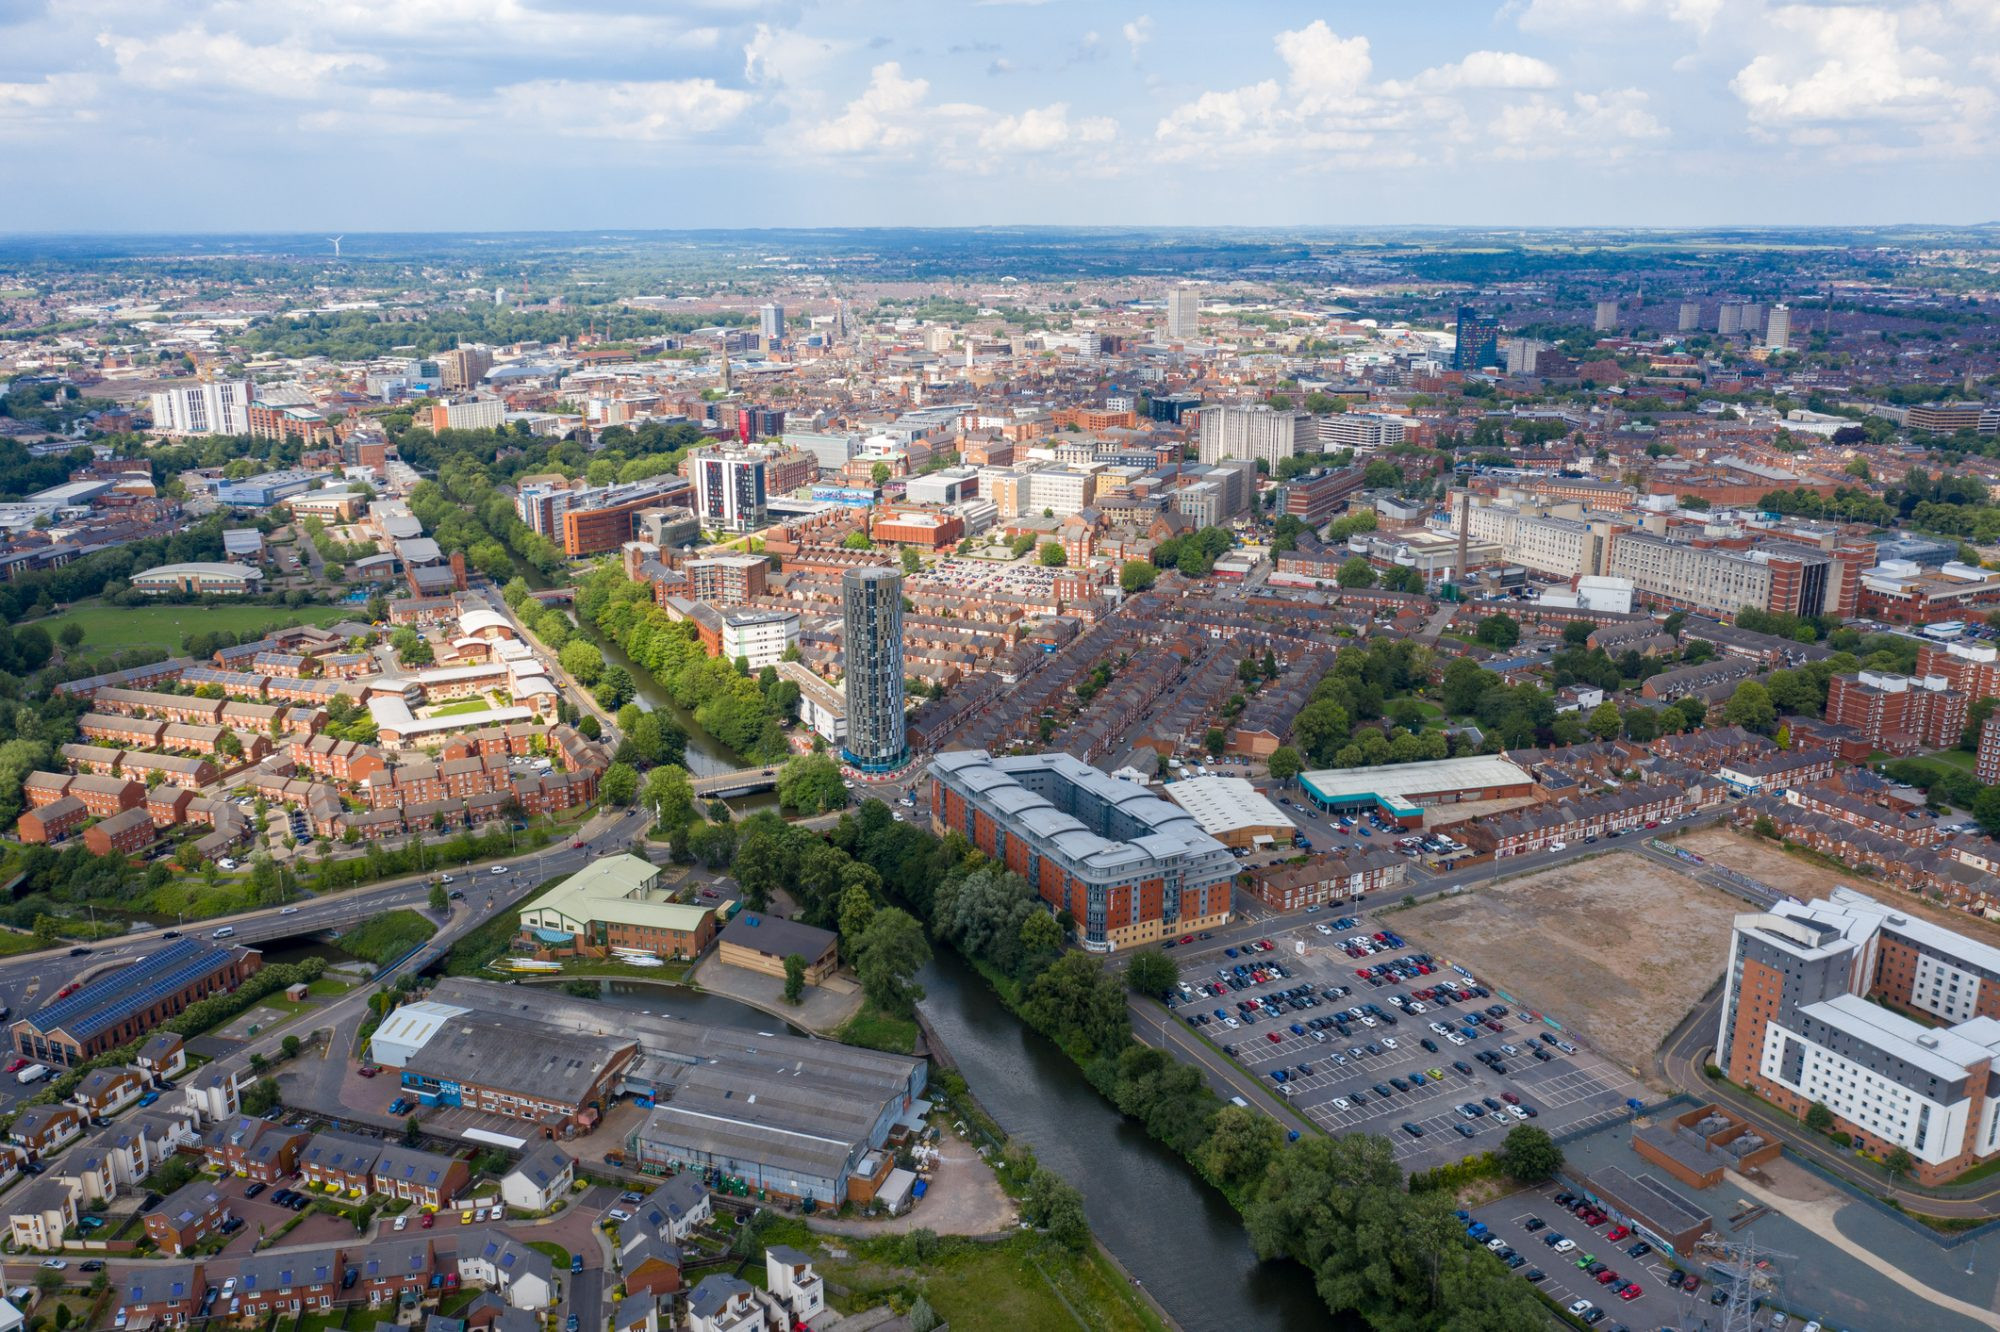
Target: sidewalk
[[826, 1008]]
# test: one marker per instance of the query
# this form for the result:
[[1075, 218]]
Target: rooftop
[[1222, 804], [1393, 783], [617, 890]]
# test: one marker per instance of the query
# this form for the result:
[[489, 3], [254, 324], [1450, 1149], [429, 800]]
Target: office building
[[221, 407], [1129, 866], [1780, 576], [1606, 320], [729, 491], [1183, 314], [463, 367], [600, 520], [1351, 430], [771, 321], [1256, 433], [758, 637], [126, 1003], [832, 450], [872, 646], [1316, 496], [1172, 407], [1478, 342], [760, 423], [200, 579], [1798, 1027], [469, 413], [1778, 329], [616, 902], [1536, 539], [1690, 316]]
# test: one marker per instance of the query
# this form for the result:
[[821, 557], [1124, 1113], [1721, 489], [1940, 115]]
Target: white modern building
[[759, 637], [219, 407], [1256, 432], [1184, 314]]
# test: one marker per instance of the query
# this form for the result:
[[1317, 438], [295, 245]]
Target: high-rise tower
[[872, 642]]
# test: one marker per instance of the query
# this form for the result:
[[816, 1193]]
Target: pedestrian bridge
[[743, 781]]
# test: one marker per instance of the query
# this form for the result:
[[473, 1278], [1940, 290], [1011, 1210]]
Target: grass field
[[457, 706], [116, 627], [876, 1030]]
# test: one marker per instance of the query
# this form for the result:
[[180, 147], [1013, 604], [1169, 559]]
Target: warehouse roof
[[104, 1003], [1399, 784], [777, 937], [619, 890], [519, 1055], [1223, 804]]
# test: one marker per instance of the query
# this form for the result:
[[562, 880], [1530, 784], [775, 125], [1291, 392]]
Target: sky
[[316, 115]]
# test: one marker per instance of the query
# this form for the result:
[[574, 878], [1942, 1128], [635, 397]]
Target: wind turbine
[[335, 242]]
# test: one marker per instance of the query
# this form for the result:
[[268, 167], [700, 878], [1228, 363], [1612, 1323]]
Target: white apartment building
[[1538, 540], [221, 407], [475, 414], [1252, 433], [1184, 314], [1354, 430], [760, 637], [1061, 490]]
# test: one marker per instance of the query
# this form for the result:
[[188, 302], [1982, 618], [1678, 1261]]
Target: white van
[[226, 932]]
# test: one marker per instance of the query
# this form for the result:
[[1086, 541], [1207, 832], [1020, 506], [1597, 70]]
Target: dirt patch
[[1807, 879], [1616, 948]]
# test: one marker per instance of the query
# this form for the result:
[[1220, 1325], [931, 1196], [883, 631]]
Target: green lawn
[[115, 627], [1023, 1282], [457, 706], [873, 1029], [1956, 758]]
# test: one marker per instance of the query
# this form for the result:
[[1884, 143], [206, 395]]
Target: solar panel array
[[104, 1003]]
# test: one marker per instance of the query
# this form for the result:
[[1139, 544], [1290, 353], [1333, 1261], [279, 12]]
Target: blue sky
[[134, 115]]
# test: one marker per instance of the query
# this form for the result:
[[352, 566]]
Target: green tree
[[1529, 1154], [1053, 556], [619, 784], [892, 950], [670, 794], [1152, 972], [921, 1317], [811, 784], [1284, 763], [413, 1132], [1241, 1144], [1356, 572], [912, 562], [857, 909], [1605, 721], [1898, 1163], [1041, 941], [857, 539], [47, 929], [70, 635], [1577, 632], [879, 473], [290, 1045], [1216, 740], [582, 660], [440, 899], [1819, 1118], [1137, 575], [1750, 707], [795, 979], [1498, 631], [1642, 725]]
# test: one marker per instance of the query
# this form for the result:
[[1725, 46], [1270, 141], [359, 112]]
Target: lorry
[[32, 1073]]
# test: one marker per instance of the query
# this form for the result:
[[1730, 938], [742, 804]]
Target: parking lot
[[1513, 1220], [1391, 1067]]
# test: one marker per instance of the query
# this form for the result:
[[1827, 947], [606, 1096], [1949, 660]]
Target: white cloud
[[668, 109], [1848, 64], [1615, 16], [196, 59], [1489, 69], [1045, 129], [786, 56], [1324, 67], [880, 119], [1137, 33]]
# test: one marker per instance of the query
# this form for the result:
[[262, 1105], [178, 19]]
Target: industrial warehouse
[[790, 1117], [1400, 791], [130, 1001]]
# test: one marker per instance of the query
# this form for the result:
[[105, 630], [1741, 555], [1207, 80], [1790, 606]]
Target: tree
[[440, 899], [582, 660], [47, 929], [1137, 575], [1898, 1163], [1356, 572], [795, 979], [879, 473], [1284, 763], [290, 1045], [1529, 1154], [1216, 740], [857, 539], [1577, 632], [891, 952], [1240, 1145], [70, 635], [1750, 707], [1819, 1118], [1053, 556], [1605, 721], [857, 910], [413, 1132], [811, 784], [921, 1317], [1642, 725], [619, 784], [1152, 972], [1041, 941], [912, 562], [1498, 631], [670, 794]]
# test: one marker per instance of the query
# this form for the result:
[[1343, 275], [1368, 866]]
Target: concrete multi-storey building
[[221, 407], [1899, 713], [1317, 495], [1129, 866], [730, 490], [872, 648], [1353, 430], [1798, 1027], [1184, 314], [759, 637], [1256, 433], [1538, 539], [1779, 576], [726, 580], [1971, 668], [463, 367]]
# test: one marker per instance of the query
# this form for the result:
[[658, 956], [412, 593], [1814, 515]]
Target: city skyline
[[1531, 113]]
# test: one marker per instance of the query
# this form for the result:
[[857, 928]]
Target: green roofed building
[[616, 903]]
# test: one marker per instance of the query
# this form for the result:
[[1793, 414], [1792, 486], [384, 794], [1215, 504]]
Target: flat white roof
[[1394, 781], [1941, 1051], [1221, 804]]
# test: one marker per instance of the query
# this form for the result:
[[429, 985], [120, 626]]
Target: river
[[1170, 1230]]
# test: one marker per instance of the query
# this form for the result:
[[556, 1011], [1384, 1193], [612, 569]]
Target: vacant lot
[[1806, 879], [109, 628], [1616, 948]]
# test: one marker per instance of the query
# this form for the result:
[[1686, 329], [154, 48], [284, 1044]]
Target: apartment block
[[1899, 713]]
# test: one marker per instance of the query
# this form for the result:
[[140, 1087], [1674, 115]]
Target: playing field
[[112, 628], [1615, 947]]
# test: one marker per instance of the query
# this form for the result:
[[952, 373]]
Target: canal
[[1173, 1232]]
